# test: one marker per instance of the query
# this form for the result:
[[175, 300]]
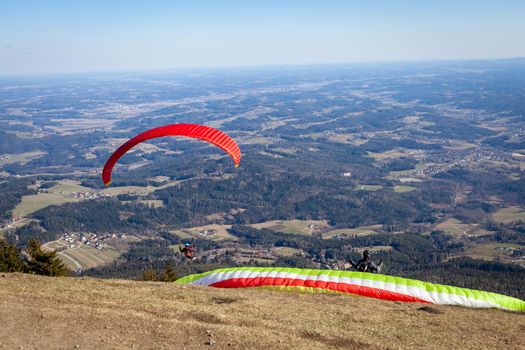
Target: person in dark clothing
[[366, 264], [188, 250]]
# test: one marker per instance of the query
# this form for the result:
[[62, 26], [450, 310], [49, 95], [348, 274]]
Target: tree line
[[33, 260]]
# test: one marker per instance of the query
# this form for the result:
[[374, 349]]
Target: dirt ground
[[84, 313]]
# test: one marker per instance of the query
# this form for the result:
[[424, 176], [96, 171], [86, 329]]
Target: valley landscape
[[421, 164]]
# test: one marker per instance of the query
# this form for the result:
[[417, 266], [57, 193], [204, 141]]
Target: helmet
[[367, 253], [186, 244]]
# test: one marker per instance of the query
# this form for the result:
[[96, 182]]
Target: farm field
[[137, 189], [221, 232], [12, 227], [155, 203], [33, 203], [55, 245], [258, 260], [459, 145], [87, 257], [482, 232], [509, 215], [491, 251], [74, 125], [292, 226], [181, 234], [456, 228], [148, 202], [339, 137], [68, 187], [360, 231], [21, 158], [368, 187], [61, 194], [403, 189], [374, 248], [285, 251], [392, 154], [404, 173]]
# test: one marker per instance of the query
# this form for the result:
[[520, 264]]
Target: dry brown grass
[[50, 313]]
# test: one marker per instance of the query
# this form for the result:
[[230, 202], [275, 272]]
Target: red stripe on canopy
[[333, 286]]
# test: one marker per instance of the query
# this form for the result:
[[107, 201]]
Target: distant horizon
[[249, 66], [58, 36]]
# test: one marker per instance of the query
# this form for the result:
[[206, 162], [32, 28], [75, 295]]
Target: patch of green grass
[[33, 203], [300, 227], [403, 189], [70, 262], [509, 215], [182, 234], [137, 189], [392, 154], [455, 227], [482, 232], [88, 257], [55, 195], [221, 232], [258, 260], [21, 158], [285, 251], [59, 194], [156, 203], [360, 231], [376, 248], [174, 248], [18, 224], [368, 187], [68, 187], [490, 251], [404, 173], [458, 145], [55, 245], [148, 202]]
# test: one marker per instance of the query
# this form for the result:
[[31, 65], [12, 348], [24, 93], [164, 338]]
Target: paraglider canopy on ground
[[357, 283]]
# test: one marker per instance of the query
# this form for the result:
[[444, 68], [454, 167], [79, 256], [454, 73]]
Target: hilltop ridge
[[40, 312]]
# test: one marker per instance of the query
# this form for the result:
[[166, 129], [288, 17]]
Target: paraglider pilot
[[188, 250], [366, 264]]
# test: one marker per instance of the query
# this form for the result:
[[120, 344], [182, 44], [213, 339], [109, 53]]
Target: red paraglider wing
[[201, 132]]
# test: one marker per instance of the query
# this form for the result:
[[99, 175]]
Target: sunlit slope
[[44, 313]]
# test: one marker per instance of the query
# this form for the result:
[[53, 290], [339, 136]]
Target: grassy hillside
[[44, 313]]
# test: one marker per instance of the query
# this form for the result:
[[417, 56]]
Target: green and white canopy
[[359, 283]]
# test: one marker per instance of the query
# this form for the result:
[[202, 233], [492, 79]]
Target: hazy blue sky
[[46, 36]]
